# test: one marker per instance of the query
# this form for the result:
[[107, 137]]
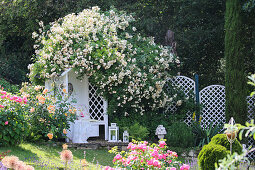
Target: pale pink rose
[[20, 166], [185, 167], [154, 154], [150, 162], [118, 157], [129, 145], [6, 123], [5, 161], [3, 92], [162, 144], [66, 155], [108, 168], [32, 109], [10, 161], [156, 163], [29, 167]]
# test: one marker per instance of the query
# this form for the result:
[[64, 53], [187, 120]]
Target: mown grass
[[48, 157]]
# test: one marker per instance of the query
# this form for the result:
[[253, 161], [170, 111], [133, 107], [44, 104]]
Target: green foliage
[[36, 154], [211, 154], [204, 136], [138, 132], [221, 139], [179, 134], [47, 114], [8, 86], [252, 82], [236, 91], [188, 19], [231, 161], [128, 70], [13, 124], [217, 149]]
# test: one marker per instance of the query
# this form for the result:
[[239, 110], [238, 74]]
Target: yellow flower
[[200, 118], [194, 116], [84, 162], [64, 131], [65, 114], [65, 146]]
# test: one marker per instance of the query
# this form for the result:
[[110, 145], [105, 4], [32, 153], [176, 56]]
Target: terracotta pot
[[231, 135]]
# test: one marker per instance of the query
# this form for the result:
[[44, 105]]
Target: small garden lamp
[[160, 131], [125, 136], [113, 133], [231, 132]]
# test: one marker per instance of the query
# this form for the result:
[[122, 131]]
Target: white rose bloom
[[179, 103]]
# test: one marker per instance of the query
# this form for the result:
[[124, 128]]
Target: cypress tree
[[236, 83]]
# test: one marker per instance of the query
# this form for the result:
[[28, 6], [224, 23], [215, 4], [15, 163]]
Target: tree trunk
[[236, 82]]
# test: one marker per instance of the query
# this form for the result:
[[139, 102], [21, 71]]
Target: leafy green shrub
[[13, 125], [221, 139], [204, 136], [128, 70], [138, 132], [179, 134], [8, 86], [211, 154], [48, 115]]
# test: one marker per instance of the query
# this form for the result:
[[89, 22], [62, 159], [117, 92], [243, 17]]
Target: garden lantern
[[113, 133], [125, 136], [231, 132], [160, 131]]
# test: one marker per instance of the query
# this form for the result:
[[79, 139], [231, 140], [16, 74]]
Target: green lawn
[[47, 157]]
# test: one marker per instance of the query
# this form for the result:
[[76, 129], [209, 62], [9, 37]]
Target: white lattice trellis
[[187, 85], [212, 99], [251, 115], [96, 104]]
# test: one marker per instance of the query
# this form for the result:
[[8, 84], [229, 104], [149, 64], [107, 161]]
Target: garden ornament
[[160, 131], [125, 136], [231, 132]]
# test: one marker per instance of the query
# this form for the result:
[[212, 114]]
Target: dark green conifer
[[236, 82]]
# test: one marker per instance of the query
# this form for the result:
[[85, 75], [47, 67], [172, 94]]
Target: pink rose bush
[[142, 155], [33, 114], [13, 122]]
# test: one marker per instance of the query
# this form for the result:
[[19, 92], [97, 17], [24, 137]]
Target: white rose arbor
[[101, 60]]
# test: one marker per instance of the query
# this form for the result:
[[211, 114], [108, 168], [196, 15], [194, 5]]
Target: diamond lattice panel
[[212, 99], [187, 85], [96, 104], [251, 115]]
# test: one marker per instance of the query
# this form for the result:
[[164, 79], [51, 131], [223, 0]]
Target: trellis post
[[197, 97]]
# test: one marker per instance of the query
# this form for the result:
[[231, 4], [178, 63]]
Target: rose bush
[[48, 115], [142, 155], [129, 70], [13, 124]]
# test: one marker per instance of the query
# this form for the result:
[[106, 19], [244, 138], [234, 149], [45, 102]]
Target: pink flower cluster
[[13, 162], [7, 97], [141, 155]]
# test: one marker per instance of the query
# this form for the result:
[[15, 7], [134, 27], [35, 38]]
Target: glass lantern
[[125, 136], [113, 133]]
